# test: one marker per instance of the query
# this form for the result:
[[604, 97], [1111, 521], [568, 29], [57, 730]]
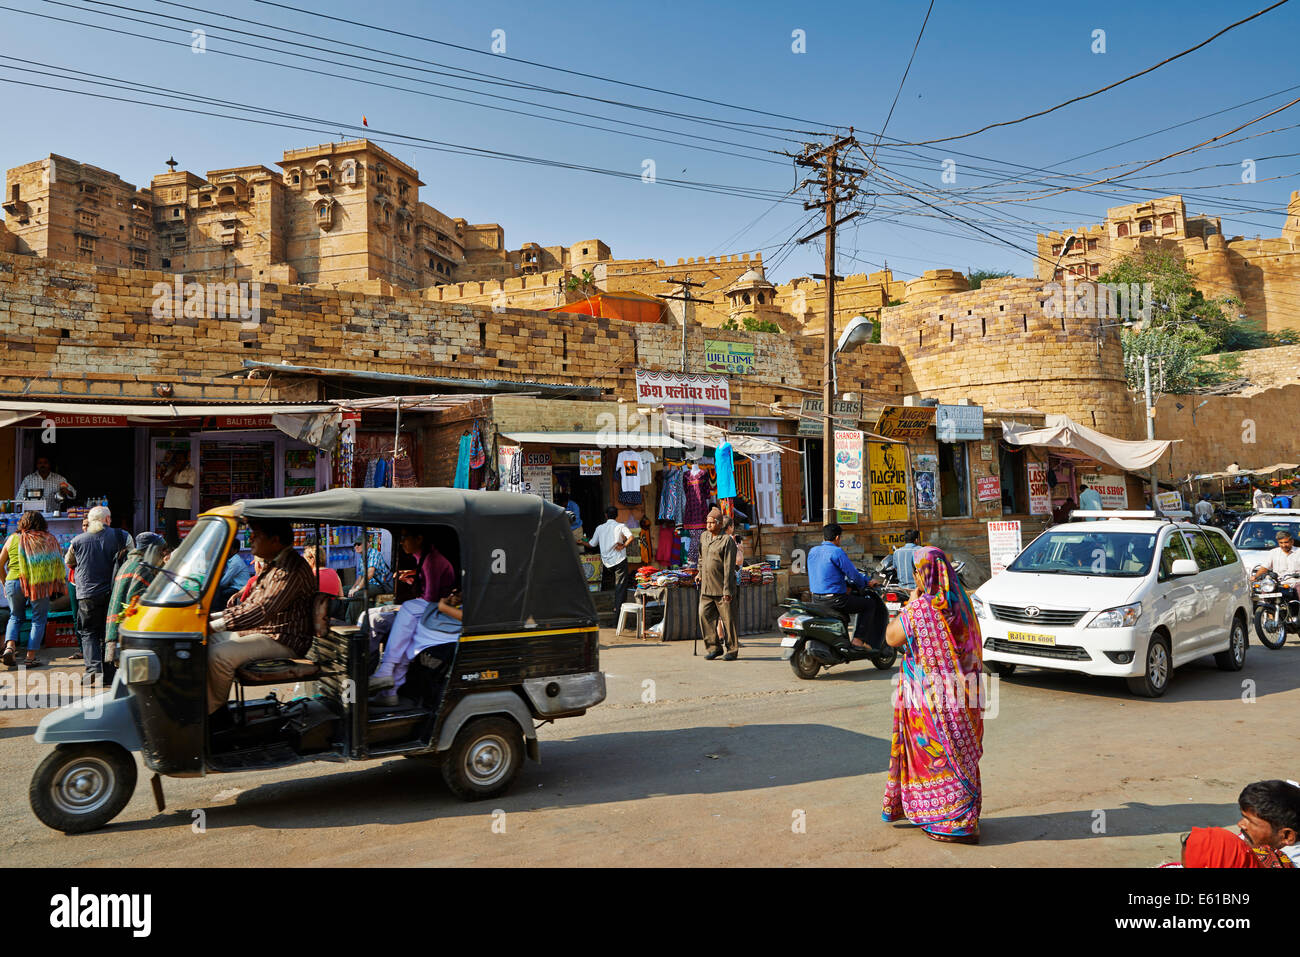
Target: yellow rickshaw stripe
[[527, 634]]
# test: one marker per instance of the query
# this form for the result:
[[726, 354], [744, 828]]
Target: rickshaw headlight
[[142, 668]]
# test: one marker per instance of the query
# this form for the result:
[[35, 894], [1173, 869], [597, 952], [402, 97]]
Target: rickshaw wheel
[[484, 758], [81, 787]]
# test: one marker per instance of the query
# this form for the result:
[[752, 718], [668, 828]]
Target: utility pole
[[688, 302], [1151, 426], [834, 190]]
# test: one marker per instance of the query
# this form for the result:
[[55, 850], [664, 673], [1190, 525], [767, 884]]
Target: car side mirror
[[1183, 566]]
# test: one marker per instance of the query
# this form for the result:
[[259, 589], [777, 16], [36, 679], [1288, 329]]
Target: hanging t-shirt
[[647, 467], [722, 462], [630, 467]]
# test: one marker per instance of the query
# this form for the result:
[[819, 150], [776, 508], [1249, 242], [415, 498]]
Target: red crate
[[60, 634]]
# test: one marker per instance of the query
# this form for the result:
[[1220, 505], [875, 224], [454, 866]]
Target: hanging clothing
[[405, 473], [745, 480], [369, 481], [664, 550], [697, 487], [647, 468], [629, 470], [477, 456], [381, 473], [934, 774], [723, 462], [462, 462], [672, 505]]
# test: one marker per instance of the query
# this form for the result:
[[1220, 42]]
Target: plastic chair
[[627, 608]]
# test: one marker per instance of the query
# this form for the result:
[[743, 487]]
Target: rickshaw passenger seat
[[272, 671]]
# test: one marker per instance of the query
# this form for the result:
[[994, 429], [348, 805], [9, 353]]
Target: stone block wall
[[1255, 430], [998, 346]]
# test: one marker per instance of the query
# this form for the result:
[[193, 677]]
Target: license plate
[[1030, 638], [789, 641], [894, 607]]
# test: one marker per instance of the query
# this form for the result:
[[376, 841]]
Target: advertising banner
[[1040, 496], [537, 481], [888, 482], [846, 415], [1170, 501], [1004, 539], [848, 470], [508, 464], [1112, 489], [589, 462], [677, 393], [988, 488]]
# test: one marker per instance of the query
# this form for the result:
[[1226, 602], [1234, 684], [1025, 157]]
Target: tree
[[976, 277], [751, 324], [585, 282]]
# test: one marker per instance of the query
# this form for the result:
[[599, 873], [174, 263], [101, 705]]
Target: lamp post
[[856, 332]]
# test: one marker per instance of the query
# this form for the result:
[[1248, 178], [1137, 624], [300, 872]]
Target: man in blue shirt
[[830, 573], [903, 559]]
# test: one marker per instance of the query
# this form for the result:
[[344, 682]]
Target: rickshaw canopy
[[519, 565]]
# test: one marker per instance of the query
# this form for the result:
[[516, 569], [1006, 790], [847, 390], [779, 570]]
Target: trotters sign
[[1004, 540]]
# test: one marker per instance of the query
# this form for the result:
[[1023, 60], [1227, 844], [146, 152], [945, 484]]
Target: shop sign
[[959, 423], [537, 459], [848, 470], [589, 462], [729, 358], [1112, 489], [846, 415], [888, 482], [745, 427], [1004, 540], [1040, 497], [68, 420], [538, 481], [988, 488], [243, 421], [845, 518], [678, 393], [986, 452], [891, 540], [1170, 501], [904, 421]]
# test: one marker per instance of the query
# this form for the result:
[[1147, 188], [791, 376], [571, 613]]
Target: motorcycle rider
[[830, 573], [1283, 561]]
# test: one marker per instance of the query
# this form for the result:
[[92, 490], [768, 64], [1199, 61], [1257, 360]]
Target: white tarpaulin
[[700, 434], [1280, 467], [1062, 432]]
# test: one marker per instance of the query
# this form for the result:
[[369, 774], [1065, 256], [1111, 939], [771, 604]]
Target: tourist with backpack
[[95, 555]]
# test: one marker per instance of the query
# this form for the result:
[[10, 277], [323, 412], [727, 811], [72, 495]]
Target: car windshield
[[191, 566], [1076, 552], [1258, 534]]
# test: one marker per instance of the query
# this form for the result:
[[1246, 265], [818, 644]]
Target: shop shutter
[[791, 487]]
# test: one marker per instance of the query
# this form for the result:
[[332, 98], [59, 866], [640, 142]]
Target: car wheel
[[484, 758], [1157, 665], [1002, 669], [1234, 658], [81, 787]]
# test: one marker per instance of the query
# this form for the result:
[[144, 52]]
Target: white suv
[[1120, 594]]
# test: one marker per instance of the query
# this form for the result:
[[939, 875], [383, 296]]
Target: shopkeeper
[[179, 502], [53, 486]]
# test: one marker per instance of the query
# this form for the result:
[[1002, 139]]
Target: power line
[[1111, 86]]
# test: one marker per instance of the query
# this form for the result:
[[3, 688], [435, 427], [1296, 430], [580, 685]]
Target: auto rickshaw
[[528, 652]]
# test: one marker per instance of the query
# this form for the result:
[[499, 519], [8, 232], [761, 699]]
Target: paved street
[[714, 771]]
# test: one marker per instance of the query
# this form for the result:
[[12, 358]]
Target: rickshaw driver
[[274, 621]]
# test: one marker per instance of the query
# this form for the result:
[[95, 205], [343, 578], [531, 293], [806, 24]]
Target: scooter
[[816, 636], [895, 595], [1275, 614]]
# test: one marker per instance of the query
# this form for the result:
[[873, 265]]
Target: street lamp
[[858, 332], [1065, 248]]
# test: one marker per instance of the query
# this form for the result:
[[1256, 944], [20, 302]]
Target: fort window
[[1166, 222], [584, 252], [1056, 249], [1060, 273], [1093, 269], [1092, 244], [297, 177], [1144, 226], [744, 295], [87, 219], [85, 244], [1121, 229], [166, 263], [348, 174]]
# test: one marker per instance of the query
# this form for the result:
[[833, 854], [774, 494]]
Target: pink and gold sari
[[934, 775]]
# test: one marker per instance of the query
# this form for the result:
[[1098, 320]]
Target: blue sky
[[977, 63]]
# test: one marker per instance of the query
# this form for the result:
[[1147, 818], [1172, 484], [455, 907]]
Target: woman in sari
[[934, 775]]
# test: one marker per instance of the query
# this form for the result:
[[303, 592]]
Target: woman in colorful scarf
[[136, 574], [35, 573], [934, 775]]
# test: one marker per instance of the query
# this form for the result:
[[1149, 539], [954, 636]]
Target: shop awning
[[1269, 470], [1063, 433], [17, 410], [572, 390], [594, 440], [698, 433]]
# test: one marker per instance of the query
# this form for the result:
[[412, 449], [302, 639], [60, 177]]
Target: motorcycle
[[816, 636], [1276, 611], [1226, 519], [895, 595]]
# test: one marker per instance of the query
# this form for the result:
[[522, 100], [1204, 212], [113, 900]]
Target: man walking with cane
[[718, 590]]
